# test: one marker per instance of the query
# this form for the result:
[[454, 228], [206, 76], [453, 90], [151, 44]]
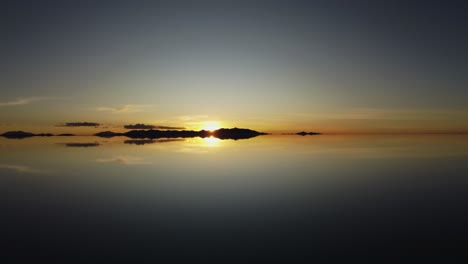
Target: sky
[[273, 66]]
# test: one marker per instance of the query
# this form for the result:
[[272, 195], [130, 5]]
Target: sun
[[211, 125]]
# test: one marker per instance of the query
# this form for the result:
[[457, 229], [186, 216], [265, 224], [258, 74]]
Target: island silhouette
[[223, 133], [22, 134], [303, 133]]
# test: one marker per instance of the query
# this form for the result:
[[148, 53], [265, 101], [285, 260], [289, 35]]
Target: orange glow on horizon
[[211, 126]]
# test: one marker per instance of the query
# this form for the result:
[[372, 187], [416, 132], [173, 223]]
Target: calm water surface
[[270, 196]]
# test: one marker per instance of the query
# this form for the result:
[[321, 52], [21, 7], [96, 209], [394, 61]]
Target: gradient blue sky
[[331, 66]]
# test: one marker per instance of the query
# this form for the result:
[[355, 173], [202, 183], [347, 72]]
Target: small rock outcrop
[[18, 134], [303, 133]]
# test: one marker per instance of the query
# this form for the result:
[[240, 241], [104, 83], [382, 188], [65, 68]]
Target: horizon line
[[295, 133]]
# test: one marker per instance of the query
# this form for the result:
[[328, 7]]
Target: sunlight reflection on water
[[325, 189]]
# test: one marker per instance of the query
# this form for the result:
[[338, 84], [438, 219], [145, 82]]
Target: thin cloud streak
[[170, 127], [130, 108], [186, 118], [389, 114], [139, 126], [24, 101], [78, 124]]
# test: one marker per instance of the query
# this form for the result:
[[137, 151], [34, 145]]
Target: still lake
[[290, 196]]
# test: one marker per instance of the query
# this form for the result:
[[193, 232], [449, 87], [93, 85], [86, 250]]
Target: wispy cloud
[[192, 117], [388, 114], [19, 168], [139, 126], [78, 124], [130, 108], [169, 127], [124, 160], [24, 101]]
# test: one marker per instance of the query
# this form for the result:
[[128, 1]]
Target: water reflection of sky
[[325, 189], [265, 157]]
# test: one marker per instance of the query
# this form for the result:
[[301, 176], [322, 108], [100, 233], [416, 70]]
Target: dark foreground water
[[287, 198]]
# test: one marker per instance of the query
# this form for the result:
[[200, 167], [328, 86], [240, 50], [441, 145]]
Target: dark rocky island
[[223, 133], [235, 133], [303, 133], [22, 134]]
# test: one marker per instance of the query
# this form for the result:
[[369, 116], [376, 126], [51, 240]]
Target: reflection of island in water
[[82, 145], [223, 133], [150, 141]]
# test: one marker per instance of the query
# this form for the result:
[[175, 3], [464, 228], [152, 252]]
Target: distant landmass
[[223, 133], [22, 134], [303, 133]]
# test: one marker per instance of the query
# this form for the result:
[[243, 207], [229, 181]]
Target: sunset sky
[[272, 66]]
